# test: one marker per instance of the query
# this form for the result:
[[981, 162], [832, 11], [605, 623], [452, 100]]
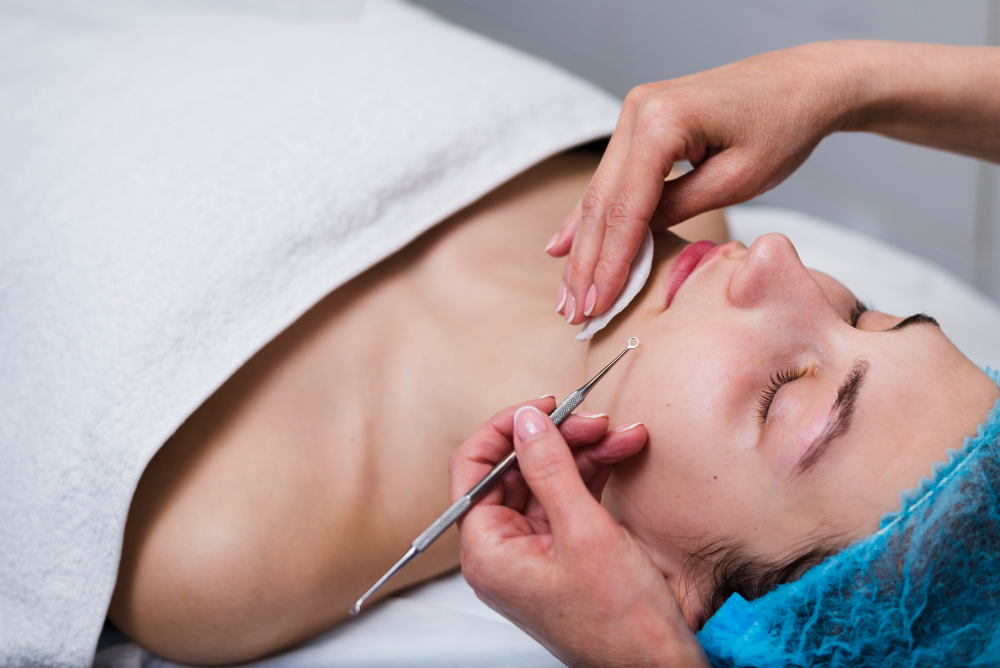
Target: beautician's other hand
[[744, 127], [542, 551]]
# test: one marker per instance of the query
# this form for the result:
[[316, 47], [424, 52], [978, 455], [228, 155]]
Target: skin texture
[[308, 473], [747, 126], [600, 593]]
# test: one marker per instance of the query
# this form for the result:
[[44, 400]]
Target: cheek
[[677, 490]]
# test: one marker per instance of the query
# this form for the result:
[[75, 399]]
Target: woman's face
[[773, 421]]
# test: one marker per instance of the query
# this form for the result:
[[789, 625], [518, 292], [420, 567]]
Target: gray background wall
[[941, 206]]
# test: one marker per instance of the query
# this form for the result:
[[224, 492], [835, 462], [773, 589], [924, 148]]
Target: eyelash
[[784, 377], [771, 389], [857, 309]]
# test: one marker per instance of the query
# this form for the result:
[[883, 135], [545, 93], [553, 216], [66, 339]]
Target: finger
[[550, 471], [486, 447], [585, 428], [515, 491], [656, 145], [586, 245], [725, 179], [561, 241], [594, 463], [581, 430], [616, 446], [597, 483]]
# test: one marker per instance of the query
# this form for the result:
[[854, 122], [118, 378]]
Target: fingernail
[[561, 297], [552, 242], [588, 414], [570, 307], [588, 308], [627, 427], [546, 396], [529, 423]]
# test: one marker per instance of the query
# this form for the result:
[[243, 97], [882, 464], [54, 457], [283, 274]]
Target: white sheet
[[180, 181], [442, 623]]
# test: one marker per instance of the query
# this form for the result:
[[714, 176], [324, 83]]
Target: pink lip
[[689, 260]]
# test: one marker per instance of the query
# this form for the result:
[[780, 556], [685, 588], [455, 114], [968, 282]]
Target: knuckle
[[591, 204], [618, 215], [653, 113], [546, 464], [609, 270], [639, 93], [581, 266]]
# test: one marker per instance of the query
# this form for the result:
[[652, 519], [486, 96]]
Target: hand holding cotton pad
[[638, 272]]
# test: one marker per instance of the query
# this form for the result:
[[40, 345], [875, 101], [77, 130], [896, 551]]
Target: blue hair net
[[924, 590]]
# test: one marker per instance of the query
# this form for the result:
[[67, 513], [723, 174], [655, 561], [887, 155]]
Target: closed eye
[[771, 389], [857, 309], [916, 319]]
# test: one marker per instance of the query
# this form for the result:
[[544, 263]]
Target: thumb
[[549, 469]]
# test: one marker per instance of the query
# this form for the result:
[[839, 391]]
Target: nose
[[771, 271]]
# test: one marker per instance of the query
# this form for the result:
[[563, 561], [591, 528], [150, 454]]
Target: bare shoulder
[[307, 473], [305, 476]]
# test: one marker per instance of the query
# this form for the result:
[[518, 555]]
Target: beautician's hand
[[747, 126], [542, 551], [744, 127]]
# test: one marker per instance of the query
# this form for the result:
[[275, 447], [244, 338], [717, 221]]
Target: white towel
[[178, 183]]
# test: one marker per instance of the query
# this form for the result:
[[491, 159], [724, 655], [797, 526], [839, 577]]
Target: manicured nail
[[529, 423], [589, 414], [588, 308], [546, 396], [627, 427], [561, 297], [570, 307], [552, 242]]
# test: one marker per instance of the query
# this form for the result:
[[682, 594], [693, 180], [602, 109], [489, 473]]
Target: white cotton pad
[[637, 275]]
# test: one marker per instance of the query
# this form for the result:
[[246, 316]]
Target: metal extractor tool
[[459, 508]]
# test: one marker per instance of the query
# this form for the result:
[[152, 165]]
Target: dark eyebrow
[[841, 414], [916, 319]]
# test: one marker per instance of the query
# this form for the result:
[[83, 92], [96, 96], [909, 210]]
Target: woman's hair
[[718, 570]]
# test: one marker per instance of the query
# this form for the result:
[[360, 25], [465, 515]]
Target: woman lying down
[[780, 419], [776, 506], [350, 417], [783, 420], [263, 164]]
